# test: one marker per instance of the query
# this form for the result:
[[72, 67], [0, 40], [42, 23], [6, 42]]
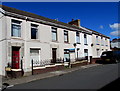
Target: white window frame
[[54, 30], [35, 27], [78, 37], [66, 33], [17, 24], [85, 39], [34, 62]]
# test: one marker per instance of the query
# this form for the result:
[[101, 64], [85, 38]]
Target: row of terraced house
[[29, 37]]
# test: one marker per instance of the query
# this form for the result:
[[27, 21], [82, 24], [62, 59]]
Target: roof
[[95, 32], [115, 40], [28, 14]]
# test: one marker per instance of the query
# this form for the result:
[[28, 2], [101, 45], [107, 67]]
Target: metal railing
[[36, 63]]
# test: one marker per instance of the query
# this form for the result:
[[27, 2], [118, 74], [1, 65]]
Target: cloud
[[116, 28], [115, 33], [101, 26]]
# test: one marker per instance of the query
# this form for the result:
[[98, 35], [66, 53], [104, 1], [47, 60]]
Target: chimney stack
[[75, 22]]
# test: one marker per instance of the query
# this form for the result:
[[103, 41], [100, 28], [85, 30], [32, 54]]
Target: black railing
[[58, 60], [37, 63], [82, 58]]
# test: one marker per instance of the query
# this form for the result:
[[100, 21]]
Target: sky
[[99, 16]]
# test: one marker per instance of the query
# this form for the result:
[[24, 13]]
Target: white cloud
[[101, 26], [115, 33], [116, 28]]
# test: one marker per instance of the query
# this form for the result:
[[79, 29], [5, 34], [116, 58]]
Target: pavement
[[26, 79]]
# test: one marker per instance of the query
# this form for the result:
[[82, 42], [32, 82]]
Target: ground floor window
[[66, 55], [85, 52], [98, 53], [35, 56]]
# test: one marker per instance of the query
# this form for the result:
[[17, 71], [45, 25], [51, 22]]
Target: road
[[89, 78]]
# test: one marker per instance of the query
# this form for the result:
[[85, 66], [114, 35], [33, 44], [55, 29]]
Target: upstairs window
[[77, 37], [34, 31], [16, 28], [85, 39], [65, 36], [106, 43], [102, 42], [97, 42], [54, 34]]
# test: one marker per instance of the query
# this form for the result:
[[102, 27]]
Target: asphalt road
[[97, 77]]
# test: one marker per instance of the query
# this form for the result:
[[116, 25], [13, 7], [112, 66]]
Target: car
[[110, 56]]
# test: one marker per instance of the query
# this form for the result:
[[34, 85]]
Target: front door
[[54, 55], [15, 57]]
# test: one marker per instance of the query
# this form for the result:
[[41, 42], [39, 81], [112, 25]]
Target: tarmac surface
[[93, 76]]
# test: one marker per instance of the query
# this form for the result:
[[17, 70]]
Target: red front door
[[15, 58]]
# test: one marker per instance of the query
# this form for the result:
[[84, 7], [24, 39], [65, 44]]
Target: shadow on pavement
[[114, 86], [104, 62]]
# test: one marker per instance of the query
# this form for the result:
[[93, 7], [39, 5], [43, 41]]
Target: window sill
[[66, 42], [35, 40], [12, 37], [54, 41]]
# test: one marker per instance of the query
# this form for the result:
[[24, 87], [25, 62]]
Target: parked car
[[111, 56]]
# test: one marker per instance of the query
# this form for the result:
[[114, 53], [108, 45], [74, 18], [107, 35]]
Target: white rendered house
[[26, 36]]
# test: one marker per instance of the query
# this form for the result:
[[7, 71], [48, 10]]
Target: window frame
[[66, 34], [77, 36], [102, 41], [55, 32], [98, 52], [97, 40], [34, 26], [18, 24], [85, 39], [86, 51]]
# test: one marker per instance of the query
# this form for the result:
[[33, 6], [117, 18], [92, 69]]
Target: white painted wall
[[44, 42], [100, 46]]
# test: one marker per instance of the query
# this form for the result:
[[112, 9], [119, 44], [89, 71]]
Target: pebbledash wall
[[44, 41]]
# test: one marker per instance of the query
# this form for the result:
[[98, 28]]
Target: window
[[16, 28], [97, 42], [85, 39], [97, 52], [35, 56], [34, 31], [66, 55], [106, 42], [54, 34], [66, 36], [102, 42], [77, 37], [85, 52]]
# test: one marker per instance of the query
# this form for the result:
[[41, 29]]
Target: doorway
[[15, 57], [54, 51]]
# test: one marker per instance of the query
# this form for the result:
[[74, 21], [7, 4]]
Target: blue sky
[[98, 16]]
